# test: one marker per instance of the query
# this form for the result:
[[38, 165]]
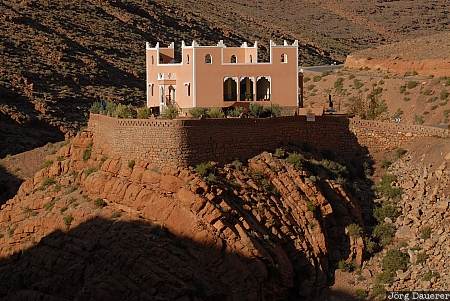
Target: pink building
[[221, 76]]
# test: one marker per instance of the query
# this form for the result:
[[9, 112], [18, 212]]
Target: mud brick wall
[[191, 141]]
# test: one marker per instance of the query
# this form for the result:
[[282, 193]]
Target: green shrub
[[317, 78], [427, 276], [237, 164], [204, 168], [385, 164], [370, 245], [385, 277], [235, 112], [346, 266], [295, 159], [361, 294], [339, 84], [68, 219], [387, 209], [131, 164], [100, 203], [90, 171], [384, 232], [425, 232], [411, 84], [215, 113], [402, 89], [385, 188], [419, 119], [170, 112], [311, 206], [279, 153], [421, 257], [198, 112], [29, 212], [444, 95], [395, 260], [256, 110], [110, 108], [47, 182], [400, 152], [87, 152], [49, 205], [306, 79], [378, 290], [273, 110], [96, 107], [354, 230], [143, 112], [124, 111], [47, 163], [358, 84]]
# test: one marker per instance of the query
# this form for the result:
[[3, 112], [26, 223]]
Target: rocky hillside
[[91, 227], [414, 219], [382, 95]]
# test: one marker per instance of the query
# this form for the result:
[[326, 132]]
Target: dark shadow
[[116, 260], [9, 185]]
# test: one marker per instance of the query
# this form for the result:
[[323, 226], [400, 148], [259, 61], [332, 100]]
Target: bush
[[90, 171], [411, 84], [400, 152], [384, 232], [346, 266], [170, 112], [358, 84], [47, 182], [273, 111], [385, 277], [421, 257], [425, 233], [110, 108], [123, 111], [419, 119], [354, 230], [311, 206], [131, 164], [339, 84], [204, 168], [215, 113], [317, 78], [47, 163], [395, 260], [235, 112], [429, 275], [100, 203], [87, 152], [370, 245], [385, 164], [387, 209], [197, 112], [385, 188], [378, 290], [295, 159], [444, 95], [279, 153], [49, 205], [68, 219], [361, 294], [143, 113], [96, 107], [256, 110]]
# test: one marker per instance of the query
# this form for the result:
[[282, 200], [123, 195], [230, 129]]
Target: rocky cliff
[[93, 227]]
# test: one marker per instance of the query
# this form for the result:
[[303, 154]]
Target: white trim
[[296, 64], [146, 75]]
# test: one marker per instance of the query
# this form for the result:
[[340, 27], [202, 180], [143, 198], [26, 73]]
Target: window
[[188, 89], [233, 59], [284, 58], [151, 88], [251, 58], [153, 60], [208, 59], [187, 59]]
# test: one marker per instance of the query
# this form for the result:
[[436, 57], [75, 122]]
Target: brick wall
[[190, 141]]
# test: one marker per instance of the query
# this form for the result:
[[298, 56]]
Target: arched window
[[153, 60], [251, 58], [233, 59], [188, 89], [208, 59], [284, 58], [187, 59]]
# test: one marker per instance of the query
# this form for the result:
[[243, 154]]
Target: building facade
[[221, 76]]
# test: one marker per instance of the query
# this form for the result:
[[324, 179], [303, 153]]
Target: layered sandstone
[[93, 226]]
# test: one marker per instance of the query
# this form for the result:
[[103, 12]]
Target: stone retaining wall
[[190, 141]]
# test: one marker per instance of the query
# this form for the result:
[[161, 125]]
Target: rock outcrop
[[94, 227]]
